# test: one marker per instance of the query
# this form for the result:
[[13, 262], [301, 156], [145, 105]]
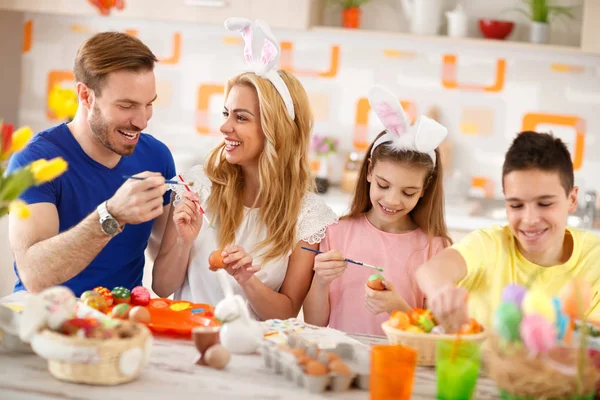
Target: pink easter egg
[[537, 333]]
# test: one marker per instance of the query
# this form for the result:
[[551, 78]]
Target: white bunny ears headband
[[424, 136], [261, 52]]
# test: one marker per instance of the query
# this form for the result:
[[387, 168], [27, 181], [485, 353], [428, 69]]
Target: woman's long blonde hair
[[284, 174], [428, 214]]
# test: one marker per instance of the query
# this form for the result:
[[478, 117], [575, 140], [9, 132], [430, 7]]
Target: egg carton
[[281, 360]]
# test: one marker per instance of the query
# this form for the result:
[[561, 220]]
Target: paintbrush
[[348, 260], [169, 181], [198, 203]]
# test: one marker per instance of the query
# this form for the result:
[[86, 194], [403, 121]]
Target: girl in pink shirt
[[396, 222]]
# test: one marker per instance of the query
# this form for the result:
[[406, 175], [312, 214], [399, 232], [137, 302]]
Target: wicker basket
[[94, 361], [520, 376], [424, 343]]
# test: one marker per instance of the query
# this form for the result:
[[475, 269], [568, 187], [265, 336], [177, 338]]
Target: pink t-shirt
[[399, 254]]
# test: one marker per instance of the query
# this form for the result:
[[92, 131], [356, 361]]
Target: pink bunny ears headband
[[424, 136], [261, 52]]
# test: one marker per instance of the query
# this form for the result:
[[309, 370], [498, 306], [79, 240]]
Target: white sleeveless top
[[201, 284]]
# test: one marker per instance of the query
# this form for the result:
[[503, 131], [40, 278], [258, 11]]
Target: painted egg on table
[[104, 292], [96, 302], [575, 296], [507, 320], [217, 356], [140, 296], [537, 333], [514, 294], [121, 295], [121, 311], [88, 293], [139, 314], [537, 302]]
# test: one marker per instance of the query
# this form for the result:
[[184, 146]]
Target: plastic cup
[[392, 372], [457, 367]]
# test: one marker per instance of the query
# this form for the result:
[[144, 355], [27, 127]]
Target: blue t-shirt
[[82, 188]]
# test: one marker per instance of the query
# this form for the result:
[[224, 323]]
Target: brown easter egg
[[215, 260]]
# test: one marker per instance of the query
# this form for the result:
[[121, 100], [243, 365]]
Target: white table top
[[172, 373]]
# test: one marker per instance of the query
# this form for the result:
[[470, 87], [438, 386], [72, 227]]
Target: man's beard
[[101, 130]]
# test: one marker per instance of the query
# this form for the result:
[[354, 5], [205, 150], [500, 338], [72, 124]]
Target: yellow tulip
[[19, 208], [44, 171], [20, 138]]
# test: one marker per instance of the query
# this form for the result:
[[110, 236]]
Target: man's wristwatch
[[108, 223]]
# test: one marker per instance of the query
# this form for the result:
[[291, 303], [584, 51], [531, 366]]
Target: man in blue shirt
[[90, 227]]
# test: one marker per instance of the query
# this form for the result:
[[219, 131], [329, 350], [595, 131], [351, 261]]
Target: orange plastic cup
[[392, 372]]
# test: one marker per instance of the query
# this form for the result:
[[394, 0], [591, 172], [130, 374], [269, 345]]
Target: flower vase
[[538, 33], [322, 175]]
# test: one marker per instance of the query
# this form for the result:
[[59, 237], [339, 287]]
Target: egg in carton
[[317, 370]]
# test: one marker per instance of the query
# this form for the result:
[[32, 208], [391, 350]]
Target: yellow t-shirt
[[494, 261]]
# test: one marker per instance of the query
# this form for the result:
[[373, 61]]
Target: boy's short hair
[[534, 150]]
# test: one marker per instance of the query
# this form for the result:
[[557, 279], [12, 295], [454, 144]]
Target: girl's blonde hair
[[428, 214], [284, 174]]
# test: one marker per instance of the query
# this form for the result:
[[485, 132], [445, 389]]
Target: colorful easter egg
[[88, 293], [426, 323], [537, 302], [121, 295], [121, 311], [104, 292], [537, 333], [507, 320], [375, 282], [73, 325], [96, 302], [514, 294], [140, 296], [575, 296], [562, 321]]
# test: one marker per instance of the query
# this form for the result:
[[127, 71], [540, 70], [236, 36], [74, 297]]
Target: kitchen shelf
[[441, 39]]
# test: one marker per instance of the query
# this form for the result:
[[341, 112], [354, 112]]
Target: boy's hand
[[449, 307], [380, 301]]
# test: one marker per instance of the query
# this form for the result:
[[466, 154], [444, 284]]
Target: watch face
[[110, 226]]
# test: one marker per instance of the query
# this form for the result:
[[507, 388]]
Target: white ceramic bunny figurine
[[239, 333]]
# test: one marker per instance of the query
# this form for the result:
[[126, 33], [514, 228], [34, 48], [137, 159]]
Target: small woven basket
[[424, 343], [95, 361], [521, 376]]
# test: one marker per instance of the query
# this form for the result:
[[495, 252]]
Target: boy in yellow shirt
[[536, 246]]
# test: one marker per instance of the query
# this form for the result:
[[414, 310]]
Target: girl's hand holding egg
[[381, 297], [329, 266], [187, 218]]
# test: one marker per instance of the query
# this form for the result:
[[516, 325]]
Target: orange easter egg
[[399, 320], [575, 294], [215, 260]]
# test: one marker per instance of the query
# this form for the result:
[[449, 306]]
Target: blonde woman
[[258, 194]]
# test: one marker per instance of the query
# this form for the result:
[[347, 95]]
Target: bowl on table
[[495, 29]]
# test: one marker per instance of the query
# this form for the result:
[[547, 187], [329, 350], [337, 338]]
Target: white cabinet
[[288, 14], [590, 30]]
